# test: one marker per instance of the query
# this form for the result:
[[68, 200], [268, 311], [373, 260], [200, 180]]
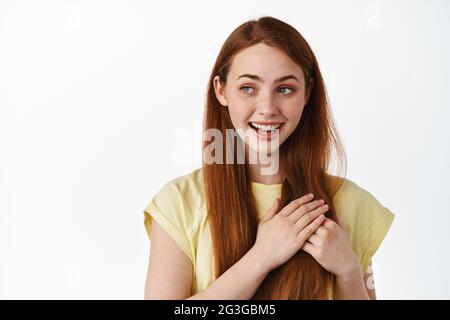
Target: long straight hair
[[305, 158]]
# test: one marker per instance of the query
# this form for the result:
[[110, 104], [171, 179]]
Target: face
[[265, 95]]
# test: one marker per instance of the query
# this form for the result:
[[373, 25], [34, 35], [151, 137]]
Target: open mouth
[[265, 131]]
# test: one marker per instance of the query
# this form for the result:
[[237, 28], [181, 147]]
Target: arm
[[331, 247], [237, 283], [357, 287], [170, 273], [281, 233]]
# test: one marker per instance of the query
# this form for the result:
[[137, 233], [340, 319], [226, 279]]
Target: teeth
[[266, 128]]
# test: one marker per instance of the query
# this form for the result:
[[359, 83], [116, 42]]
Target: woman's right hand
[[281, 233]]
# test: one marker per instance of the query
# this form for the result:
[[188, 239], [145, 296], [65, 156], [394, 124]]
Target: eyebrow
[[257, 78]]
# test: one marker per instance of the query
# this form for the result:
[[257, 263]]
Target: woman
[[231, 230]]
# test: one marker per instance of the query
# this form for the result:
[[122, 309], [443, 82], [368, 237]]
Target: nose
[[267, 105]]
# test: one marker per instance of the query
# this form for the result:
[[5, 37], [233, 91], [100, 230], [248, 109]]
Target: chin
[[264, 149]]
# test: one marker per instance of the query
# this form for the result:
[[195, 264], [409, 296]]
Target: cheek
[[293, 112], [239, 113]]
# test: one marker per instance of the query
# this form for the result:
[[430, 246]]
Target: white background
[[101, 103]]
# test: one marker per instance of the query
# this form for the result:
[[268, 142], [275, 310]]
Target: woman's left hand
[[330, 246]]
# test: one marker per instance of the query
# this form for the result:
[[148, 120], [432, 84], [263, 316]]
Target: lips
[[263, 134], [258, 129], [266, 123]]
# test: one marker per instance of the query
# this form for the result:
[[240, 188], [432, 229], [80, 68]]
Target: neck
[[258, 172]]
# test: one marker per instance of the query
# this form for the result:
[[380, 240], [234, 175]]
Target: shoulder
[[188, 186], [180, 199], [349, 190], [353, 199]]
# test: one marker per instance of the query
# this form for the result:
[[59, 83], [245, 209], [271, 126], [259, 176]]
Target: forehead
[[265, 61]]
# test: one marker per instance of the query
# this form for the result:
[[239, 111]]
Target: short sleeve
[[373, 221], [168, 207]]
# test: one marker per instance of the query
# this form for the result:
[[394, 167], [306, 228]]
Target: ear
[[309, 86], [219, 90]]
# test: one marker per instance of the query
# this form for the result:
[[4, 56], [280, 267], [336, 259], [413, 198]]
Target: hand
[[330, 246], [281, 234]]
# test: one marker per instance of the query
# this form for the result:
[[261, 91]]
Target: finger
[[322, 230], [326, 226], [315, 239], [304, 209], [272, 211], [329, 222], [309, 248], [309, 217], [294, 204], [340, 221], [306, 232]]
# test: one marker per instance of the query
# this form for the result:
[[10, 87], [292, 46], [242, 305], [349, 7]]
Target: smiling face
[[264, 87]]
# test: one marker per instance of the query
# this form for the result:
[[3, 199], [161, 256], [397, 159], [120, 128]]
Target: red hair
[[304, 157]]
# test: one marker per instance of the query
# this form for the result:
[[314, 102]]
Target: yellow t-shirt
[[180, 209]]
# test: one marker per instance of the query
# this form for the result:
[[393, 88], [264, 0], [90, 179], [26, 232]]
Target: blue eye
[[244, 87], [287, 88]]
